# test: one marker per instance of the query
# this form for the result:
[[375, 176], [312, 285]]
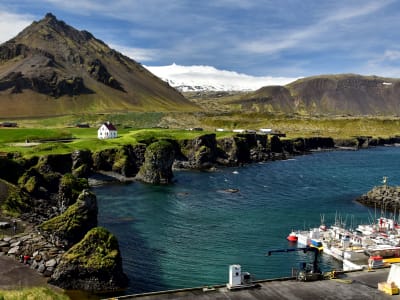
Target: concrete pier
[[361, 285]]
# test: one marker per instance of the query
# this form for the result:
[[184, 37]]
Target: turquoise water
[[187, 234]]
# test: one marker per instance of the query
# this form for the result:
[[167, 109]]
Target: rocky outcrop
[[70, 227], [385, 197], [98, 71], [157, 167], [82, 163], [198, 153], [94, 264], [69, 190], [13, 201]]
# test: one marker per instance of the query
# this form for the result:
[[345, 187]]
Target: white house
[[107, 131]]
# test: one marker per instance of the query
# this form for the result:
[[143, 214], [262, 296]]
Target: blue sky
[[288, 38]]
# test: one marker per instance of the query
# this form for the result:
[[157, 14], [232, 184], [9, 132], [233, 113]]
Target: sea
[[188, 233]]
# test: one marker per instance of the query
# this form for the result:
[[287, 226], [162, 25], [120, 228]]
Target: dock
[[352, 285]]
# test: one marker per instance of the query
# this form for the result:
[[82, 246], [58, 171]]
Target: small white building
[[107, 131]]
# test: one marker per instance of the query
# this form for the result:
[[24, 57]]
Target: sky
[[275, 38]]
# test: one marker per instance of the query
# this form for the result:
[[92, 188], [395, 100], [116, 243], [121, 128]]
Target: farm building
[[107, 131]]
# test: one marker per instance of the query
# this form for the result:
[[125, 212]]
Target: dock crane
[[306, 272]]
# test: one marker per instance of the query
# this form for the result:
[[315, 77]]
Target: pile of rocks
[[384, 196], [31, 248]]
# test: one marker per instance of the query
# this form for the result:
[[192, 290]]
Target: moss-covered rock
[[94, 264], [82, 163], [157, 167], [104, 159], [31, 181], [69, 227], [70, 188], [13, 201]]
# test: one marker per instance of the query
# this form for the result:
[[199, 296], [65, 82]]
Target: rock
[[82, 163], [51, 263], [71, 226], [13, 251], [94, 264], [157, 167], [383, 197], [4, 244]]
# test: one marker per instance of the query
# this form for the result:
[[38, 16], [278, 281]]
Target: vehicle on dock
[[306, 272]]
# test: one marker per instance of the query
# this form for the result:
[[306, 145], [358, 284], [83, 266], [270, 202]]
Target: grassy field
[[45, 135], [66, 140], [39, 293]]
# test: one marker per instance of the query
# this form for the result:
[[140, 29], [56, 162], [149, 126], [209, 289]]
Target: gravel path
[[14, 275]]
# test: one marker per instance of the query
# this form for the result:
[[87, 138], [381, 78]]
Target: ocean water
[[188, 233]]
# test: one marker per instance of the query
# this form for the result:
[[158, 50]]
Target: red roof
[[110, 126]]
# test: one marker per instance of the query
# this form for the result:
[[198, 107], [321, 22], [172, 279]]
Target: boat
[[317, 243], [375, 261], [292, 237]]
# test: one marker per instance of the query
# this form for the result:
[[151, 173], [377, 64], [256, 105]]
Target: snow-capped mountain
[[207, 78]]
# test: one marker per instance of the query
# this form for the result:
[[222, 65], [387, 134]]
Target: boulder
[[94, 264]]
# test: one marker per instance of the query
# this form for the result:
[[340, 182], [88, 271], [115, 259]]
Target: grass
[[36, 293], [13, 140], [339, 127]]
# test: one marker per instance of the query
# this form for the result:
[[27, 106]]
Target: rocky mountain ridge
[[343, 94], [50, 60]]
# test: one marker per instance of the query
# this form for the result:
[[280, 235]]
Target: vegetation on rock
[[93, 264], [70, 226], [13, 201]]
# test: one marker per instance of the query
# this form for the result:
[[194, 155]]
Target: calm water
[[188, 234]]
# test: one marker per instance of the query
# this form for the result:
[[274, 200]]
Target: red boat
[[292, 237]]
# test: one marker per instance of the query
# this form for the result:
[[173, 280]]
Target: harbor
[[348, 285], [368, 246]]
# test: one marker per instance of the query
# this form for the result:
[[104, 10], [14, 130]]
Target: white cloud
[[11, 24], [137, 54], [303, 37], [213, 78]]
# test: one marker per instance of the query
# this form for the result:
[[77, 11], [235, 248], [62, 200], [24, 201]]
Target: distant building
[[239, 130], [107, 131], [83, 125], [265, 130], [8, 124], [196, 129]]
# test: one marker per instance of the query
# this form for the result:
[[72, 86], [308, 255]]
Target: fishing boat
[[292, 237]]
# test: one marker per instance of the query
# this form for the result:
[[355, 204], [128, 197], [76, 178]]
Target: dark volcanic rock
[[94, 264], [157, 167], [82, 163], [385, 197]]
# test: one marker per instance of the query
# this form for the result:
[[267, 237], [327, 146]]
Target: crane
[[306, 273]]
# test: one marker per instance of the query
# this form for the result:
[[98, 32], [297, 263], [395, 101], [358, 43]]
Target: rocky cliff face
[[94, 264], [71, 226], [157, 167]]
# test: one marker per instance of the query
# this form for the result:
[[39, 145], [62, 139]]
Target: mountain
[[51, 68], [207, 78], [342, 94]]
